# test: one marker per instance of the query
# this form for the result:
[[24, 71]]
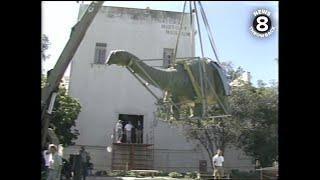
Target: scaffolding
[[127, 156], [135, 156]]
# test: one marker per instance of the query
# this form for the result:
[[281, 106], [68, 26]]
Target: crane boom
[[56, 74]]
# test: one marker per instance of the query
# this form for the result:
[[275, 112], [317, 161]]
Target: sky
[[229, 22]]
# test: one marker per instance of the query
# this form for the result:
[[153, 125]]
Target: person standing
[[76, 168], [84, 161], [119, 131], [128, 127], [54, 163], [90, 168], [89, 172], [218, 160], [47, 158], [60, 154], [139, 133]]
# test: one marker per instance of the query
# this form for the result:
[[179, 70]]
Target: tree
[[65, 112], [231, 72], [45, 44], [251, 127], [257, 109], [210, 133]]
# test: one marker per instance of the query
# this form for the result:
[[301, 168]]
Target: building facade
[[107, 93], [245, 78]]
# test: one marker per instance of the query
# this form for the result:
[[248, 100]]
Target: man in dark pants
[[84, 162], [75, 160]]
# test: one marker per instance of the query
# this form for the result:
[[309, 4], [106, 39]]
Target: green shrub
[[175, 175], [236, 174], [131, 174], [192, 175], [43, 175], [161, 173], [117, 173]]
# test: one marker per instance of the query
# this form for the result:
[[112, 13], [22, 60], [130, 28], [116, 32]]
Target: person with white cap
[[54, 163], [47, 158]]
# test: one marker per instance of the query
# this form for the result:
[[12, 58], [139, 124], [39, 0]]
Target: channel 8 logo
[[262, 23]]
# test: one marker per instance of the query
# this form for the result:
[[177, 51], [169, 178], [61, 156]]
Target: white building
[[108, 92], [243, 79]]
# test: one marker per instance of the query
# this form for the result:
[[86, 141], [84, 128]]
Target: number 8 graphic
[[262, 24]]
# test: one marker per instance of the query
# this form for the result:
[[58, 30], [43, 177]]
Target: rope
[[208, 31], [190, 8], [195, 7], [156, 84], [201, 70], [143, 84], [212, 88], [191, 27], [177, 43]]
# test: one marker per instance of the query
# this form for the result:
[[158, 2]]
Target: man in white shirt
[[47, 158], [128, 127], [54, 164], [218, 165]]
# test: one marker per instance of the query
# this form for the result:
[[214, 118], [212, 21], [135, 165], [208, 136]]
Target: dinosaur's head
[[118, 57]]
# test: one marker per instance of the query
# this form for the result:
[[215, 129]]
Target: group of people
[[128, 131], [53, 157], [78, 165]]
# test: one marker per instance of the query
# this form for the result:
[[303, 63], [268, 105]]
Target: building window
[[167, 57], [100, 53]]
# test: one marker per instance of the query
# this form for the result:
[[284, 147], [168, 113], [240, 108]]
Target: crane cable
[[191, 28], [201, 66], [180, 28], [198, 25], [213, 48], [205, 21]]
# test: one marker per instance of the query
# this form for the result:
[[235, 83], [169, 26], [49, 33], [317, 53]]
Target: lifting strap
[[177, 42]]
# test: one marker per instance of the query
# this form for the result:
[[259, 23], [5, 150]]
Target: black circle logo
[[262, 23]]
